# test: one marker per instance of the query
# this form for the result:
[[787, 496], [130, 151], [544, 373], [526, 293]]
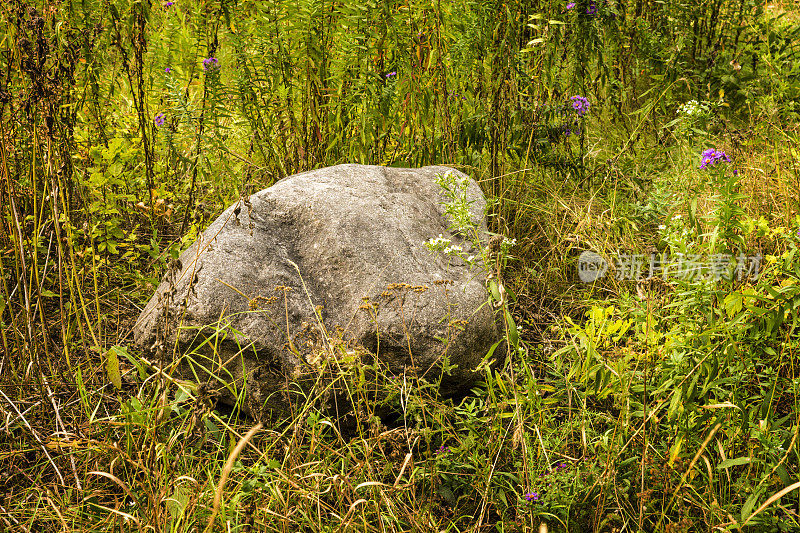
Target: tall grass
[[654, 406]]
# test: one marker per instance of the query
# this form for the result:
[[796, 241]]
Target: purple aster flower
[[211, 64], [442, 449], [391, 74], [570, 5], [712, 157], [580, 105], [167, 70], [160, 119], [532, 497], [169, 4]]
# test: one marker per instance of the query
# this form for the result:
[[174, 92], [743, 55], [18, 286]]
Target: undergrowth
[[660, 396]]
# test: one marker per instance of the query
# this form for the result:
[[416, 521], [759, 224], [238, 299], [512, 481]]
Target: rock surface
[[324, 264]]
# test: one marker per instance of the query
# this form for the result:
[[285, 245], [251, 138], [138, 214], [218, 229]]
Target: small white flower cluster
[[693, 108], [437, 244], [664, 226], [506, 245], [442, 244]]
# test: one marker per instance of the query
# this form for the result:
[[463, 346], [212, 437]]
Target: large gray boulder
[[327, 264]]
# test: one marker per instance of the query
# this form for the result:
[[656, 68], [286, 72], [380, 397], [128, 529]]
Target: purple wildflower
[[160, 119], [532, 497], [712, 157], [169, 4], [442, 449], [570, 5], [580, 104], [391, 74], [561, 465], [211, 64], [592, 9], [167, 70]]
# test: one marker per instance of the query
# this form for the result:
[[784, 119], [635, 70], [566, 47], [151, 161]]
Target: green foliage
[[698, 359], [671, 402]]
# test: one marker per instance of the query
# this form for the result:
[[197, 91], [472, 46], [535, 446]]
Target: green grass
[[661, 405]]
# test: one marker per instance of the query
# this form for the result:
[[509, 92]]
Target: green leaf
[[495, 291], [749, 504], [673, 405], [733, 303], [176, 503], [727, 463], [676, 449], [513, 334], [492, 349], [216, 433], [181, 395], [122, 350], [783, 474], [112, 367], [511, 294], [502, 495]]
